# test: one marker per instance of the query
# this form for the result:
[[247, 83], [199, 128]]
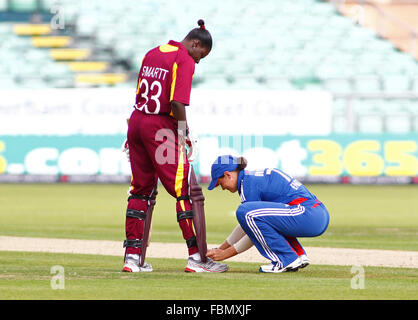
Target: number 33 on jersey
[[166, 74]]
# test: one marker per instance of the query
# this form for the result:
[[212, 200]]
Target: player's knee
[[241, 212]]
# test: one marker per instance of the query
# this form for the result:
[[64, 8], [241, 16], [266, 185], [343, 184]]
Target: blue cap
[[222, 164]]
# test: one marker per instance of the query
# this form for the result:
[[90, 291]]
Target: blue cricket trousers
[[271, 225]]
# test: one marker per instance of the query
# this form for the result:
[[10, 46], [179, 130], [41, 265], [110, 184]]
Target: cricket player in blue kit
[[275, 209]]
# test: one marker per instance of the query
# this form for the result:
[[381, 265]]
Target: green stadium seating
[[309, 43], [279, 45]]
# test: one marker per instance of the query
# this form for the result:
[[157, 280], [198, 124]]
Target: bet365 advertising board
[[76, 135]]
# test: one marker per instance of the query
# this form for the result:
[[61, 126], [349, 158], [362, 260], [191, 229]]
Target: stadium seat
[[332, 70], [387, 69], [6, 29], [53, 70], [51, 41], [23, 5], [69, 54], [398, 122], [247, 83], [282, 84], [88, 66], [379, 45], [100, 78], [46, 5], [6, 82], [338, 85], [396, 83], [69, 10], [371, 122], [364, 106], [33, 82], [366, 84], [86, 24], [351, 44], [61, 82], [414, 85], [4, 5], [339, 123], [339, 116], [213, 83], [32, 29]]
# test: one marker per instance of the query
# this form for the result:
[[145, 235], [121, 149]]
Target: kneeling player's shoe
[[132, 264], [304, 260], [208, 266], [275, 268]]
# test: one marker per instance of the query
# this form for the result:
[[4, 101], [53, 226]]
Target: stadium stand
[[279, 45]]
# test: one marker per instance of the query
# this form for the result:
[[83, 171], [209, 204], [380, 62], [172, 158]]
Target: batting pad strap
[[131, 213], [186, 197], [191, 242], [139, 196], [185, 215], [132, 243]]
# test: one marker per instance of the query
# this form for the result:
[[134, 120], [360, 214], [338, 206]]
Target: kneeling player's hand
[[216, 254]]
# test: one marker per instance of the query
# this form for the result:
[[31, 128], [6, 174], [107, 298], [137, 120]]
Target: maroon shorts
[[155, 153]]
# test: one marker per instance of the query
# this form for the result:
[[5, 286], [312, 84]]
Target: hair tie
[[201, 23]]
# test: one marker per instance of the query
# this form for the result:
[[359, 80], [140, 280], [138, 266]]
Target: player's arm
[[237, 242], [179, 111]]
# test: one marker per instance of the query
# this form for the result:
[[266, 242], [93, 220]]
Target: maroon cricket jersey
[[166, 74]]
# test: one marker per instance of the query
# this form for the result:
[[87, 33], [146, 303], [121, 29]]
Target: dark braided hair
[[201, 34]]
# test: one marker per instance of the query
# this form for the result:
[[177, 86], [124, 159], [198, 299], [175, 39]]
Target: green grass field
[[99, 277], [379, 217]]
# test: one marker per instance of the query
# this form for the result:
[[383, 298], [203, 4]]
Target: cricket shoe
[[274, 267], [208, 266], [304, 261], [132, 264]]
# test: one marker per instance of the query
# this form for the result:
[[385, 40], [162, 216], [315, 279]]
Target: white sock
[[195, 256], [133, 256]]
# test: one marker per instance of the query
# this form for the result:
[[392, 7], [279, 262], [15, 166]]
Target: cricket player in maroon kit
[[157, 133]]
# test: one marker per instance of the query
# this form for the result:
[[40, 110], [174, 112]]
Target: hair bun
[[242, 163], [201, 23]]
